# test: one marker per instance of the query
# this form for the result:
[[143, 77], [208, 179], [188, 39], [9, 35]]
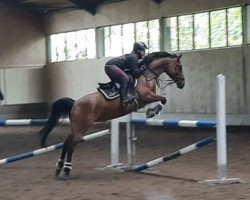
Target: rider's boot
[[131, 89], [124, 96], [124, 100]]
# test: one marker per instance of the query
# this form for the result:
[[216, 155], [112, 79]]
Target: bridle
[[159, 81]]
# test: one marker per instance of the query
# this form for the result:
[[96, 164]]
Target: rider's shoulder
[[132, 56]]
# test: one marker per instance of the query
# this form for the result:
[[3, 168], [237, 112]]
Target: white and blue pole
[[51, 148], [30, 122], [174, 155]]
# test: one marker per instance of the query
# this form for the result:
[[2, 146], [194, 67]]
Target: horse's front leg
[[151, 98]]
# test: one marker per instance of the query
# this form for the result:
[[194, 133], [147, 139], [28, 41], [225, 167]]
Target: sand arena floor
[[33, 178]]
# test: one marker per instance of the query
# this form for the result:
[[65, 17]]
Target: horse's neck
[[157, 70]]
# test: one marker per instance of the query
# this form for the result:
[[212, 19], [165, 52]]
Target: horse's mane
[[155, 55]]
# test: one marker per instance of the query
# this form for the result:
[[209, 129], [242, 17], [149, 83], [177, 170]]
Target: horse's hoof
[[57, 173], [150, 113], [66, 174]]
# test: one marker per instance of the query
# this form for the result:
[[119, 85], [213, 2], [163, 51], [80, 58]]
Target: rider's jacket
[[128, 63]]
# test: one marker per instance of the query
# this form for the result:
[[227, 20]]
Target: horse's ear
[[179, 57]]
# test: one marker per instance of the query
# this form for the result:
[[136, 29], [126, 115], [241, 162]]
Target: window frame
[[102, 51], [168, 45], [50, 43]]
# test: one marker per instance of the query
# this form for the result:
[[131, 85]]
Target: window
[[218, 28], [201, 31], [170, 34], [153, 35], [234, 26], [115, 40], [212, 29], [248, 23], [128, 38], [186, 32], [119, 39], [72, 45], [57, 43]]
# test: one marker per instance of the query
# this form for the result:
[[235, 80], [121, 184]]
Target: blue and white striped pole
[[172, 156], [28, 122], [160, 122], [175, 123], [51, 148]]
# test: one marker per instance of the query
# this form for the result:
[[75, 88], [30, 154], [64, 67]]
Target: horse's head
[[174, 71], [163, 62]]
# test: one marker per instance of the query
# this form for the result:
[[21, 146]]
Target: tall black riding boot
[[124, 96]]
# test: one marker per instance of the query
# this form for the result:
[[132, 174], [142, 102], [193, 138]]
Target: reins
[[157, 79], [166, 82]]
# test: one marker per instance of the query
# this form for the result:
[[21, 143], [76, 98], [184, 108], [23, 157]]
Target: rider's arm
[[132, 65], [140, 63]]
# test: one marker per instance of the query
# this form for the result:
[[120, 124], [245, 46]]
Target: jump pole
[[30, 122], [51, 148], [174, 155]]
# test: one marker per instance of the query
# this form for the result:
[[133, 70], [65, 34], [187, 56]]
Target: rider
[[117, 69]]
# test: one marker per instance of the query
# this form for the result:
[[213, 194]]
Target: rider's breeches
[[117, 75]]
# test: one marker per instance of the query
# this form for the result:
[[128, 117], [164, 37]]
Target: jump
[[96, 107]]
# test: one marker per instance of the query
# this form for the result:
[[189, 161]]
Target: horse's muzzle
[[180, 82]]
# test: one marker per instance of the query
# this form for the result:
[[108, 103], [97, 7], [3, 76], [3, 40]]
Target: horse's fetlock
[[60, 164], [67, 169], [67, 166]]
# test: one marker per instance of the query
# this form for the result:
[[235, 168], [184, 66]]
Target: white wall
[[22, 57], [200, 67], [74, 79], [25, 79], [200, 70]]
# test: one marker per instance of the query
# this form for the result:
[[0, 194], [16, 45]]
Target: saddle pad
[[108, 93], [111, 90]]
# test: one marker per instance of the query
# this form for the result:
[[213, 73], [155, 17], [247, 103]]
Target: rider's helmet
[[139, 46]]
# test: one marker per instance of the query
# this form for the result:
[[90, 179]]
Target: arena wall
[[26, 78]]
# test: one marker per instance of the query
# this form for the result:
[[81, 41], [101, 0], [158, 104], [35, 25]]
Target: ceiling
[[45, 6]]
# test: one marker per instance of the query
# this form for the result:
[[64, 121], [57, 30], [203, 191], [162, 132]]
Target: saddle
[[111, 90]]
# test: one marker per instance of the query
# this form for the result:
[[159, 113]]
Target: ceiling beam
[[88, 5], [157, 1]]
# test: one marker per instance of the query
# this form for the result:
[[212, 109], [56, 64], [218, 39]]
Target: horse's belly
[[112, 109]]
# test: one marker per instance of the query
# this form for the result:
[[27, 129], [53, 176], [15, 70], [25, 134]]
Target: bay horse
[[96, 108]]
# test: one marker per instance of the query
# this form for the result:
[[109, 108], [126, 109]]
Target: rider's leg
[[119, 76]]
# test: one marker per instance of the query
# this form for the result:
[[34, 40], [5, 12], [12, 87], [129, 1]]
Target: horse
[[94, 107]]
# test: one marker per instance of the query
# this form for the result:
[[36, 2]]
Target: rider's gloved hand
[[143, 67]]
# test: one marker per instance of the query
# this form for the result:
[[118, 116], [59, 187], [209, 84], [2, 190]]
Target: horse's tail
[[61, 107]]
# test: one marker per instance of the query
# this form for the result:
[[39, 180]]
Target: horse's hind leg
[[82, 117], [71, 141], [60, 162], [67, 151]]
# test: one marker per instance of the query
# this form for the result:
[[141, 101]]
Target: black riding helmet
[[139, 46]]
